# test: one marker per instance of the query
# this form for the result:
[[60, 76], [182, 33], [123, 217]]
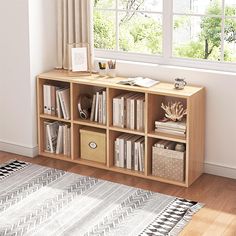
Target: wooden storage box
[[93, 144], [168, 164]]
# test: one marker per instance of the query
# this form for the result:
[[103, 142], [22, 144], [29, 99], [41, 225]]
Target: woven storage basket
[[168, 164]]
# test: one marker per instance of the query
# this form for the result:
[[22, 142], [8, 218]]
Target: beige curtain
[[75, 28]]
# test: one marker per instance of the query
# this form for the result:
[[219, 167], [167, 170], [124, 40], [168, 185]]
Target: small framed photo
[[79, 59]]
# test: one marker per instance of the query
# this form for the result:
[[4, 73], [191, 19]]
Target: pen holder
[[102, 72], [111, 73]]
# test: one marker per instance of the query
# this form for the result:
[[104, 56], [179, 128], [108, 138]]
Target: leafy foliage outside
[[141, 32]]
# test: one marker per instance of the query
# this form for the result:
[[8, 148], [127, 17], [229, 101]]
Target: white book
[[65, 140], [137, 153], [104, 106], [100, 108], [142, 156], [49, 101], [58, 104], [52, 131], [133, 111], [139, 81], [122, 152], [59, 148], [96, 107], [168, 131], [53, 99], [46, 138], [93, 108], [117, 162], [64, 96], [116, 114], [171, 124], [130, 151], [45, 99], [135, 156], [140, 113], [68, 141]]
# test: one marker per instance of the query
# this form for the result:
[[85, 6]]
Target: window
[[166, 31]]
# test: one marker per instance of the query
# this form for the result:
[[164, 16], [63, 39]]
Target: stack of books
[[57, 138], [128, 111], [171, 127], [56, 101], [99, 107], [129, 152]]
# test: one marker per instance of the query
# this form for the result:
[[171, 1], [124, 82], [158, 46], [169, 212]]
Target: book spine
[[96, 107], [117, 156], [104, 112], [53, 100], [93, 108]]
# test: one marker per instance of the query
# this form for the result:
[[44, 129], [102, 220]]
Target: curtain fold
[[74, 29]]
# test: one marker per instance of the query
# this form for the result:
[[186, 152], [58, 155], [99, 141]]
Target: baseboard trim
[[19, 149], [220, 170], [209, 168]]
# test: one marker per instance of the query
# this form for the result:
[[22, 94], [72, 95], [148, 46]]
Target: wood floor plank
[[218, 217]]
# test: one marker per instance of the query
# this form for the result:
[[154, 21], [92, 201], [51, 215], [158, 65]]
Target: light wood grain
[[191, 96]]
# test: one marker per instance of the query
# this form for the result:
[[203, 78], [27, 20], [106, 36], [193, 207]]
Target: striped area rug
[[37, 200]]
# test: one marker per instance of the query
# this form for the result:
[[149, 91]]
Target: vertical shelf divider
[[193, 96]]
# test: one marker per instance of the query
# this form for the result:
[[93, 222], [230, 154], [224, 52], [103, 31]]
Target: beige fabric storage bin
[[168, 164], [93, 144]]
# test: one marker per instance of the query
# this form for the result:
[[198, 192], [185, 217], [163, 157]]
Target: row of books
[[165, 144], [57, 138], [129, 152], [98, 110], [56, 101], [167, 126], [128, 111]]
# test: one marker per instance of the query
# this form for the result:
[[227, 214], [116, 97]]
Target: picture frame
[[79, 59]]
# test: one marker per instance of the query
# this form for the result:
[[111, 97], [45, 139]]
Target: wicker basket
[[168, 164]]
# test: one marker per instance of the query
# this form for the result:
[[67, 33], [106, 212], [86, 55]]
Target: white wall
[[23, 55], [28, 47], [220, 109], [15, 125], [42, 32]]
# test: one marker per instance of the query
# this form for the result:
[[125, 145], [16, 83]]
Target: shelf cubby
[[150, 144], [77, 90], [155, 101], [77, 147], [112, 94], [41, 131], [40, 101]]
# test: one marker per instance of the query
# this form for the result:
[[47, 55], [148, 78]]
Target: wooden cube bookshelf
[[192, 97]]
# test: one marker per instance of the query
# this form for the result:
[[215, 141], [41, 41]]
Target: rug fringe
[[7, 163], [185, 220]]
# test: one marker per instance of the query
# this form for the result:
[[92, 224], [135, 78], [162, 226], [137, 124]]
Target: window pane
[[230, 7], [104, 29], [213, 7], [197, 37], [104, 4], [140, 32], [230, 40], [141, 5]]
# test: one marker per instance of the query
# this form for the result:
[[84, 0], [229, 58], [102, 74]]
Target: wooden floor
[[218, 217]]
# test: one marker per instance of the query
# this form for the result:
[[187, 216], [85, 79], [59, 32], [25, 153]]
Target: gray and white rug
[[37, 200]]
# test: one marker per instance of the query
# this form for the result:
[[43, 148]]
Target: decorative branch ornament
[[174, 111]]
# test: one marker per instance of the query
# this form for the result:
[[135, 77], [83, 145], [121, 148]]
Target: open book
[[139, 81]]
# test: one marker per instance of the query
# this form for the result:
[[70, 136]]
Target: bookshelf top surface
[[161, 88]]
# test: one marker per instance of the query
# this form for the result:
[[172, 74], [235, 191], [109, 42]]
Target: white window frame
[[166, 58]]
